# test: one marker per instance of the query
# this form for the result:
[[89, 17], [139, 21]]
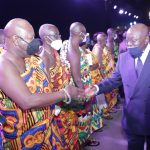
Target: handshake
[[81, 95], [91, 91]]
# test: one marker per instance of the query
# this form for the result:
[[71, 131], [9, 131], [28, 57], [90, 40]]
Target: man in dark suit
[[133, 72]]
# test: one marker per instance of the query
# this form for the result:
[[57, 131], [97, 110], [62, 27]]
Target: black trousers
[[136, 142]]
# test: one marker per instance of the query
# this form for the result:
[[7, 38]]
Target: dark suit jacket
[[136, 117]]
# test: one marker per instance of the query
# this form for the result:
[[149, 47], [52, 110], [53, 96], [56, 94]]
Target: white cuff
[[97, 89], [57, 110]]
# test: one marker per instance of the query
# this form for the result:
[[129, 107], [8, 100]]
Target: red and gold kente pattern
[[35, 128], [67, 119]]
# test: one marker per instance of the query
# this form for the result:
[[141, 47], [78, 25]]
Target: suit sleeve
[[112, 82]]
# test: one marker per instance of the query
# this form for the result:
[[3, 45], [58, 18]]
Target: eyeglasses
[[22, 39], [84, 34], [57, 36]]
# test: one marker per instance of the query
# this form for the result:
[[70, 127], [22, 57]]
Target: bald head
[[48, 30], [77, 27], [101, 35], [138, 30], [110, 31], [111, 35], [19, 27], [19, 34], [101, 39]]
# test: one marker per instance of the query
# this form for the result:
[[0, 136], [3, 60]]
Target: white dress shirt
[[144, 55]]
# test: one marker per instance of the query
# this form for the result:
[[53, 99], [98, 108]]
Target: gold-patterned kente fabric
[[97, 121], [89, 118], [107, 68], [33, 129], [67, 120]]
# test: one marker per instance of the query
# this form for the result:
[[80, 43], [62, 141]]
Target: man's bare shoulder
[[96, 48], [7, 68], [97, 45]]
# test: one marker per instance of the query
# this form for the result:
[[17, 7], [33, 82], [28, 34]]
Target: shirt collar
[[144, 54]]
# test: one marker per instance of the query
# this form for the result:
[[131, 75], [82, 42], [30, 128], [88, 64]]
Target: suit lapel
[[131, 77], [145, 74]]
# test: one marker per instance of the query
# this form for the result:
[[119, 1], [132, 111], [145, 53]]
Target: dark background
[[96, 15]]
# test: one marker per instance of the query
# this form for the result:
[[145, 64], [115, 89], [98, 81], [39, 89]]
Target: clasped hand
[[81, 95]]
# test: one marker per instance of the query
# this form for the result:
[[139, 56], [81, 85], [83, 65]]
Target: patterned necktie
[[139, 67]]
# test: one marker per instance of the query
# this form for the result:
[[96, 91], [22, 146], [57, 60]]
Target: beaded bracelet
[[68, 100]]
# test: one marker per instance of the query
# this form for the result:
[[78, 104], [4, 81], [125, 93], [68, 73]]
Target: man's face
[[84, 36], [53, 35], [22, 41], [53, 39], [111, 33], [79, 35], [135, 39], [102, 39]]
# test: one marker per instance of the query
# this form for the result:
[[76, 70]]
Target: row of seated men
[[43, 99]]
